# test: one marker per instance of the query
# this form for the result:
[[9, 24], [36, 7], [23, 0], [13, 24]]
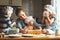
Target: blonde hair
[[8, 10], [28, 19], [50, 8]]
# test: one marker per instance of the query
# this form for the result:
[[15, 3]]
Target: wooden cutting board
[[34, 32]]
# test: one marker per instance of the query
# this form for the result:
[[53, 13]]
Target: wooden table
[[30, 38]]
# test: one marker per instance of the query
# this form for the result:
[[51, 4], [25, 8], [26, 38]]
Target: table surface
[[32, 38]]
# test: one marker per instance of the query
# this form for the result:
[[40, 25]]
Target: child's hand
[[44, 31], [44, 14], [26, 31]]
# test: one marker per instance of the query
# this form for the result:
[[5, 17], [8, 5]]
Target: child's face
[[46, 13], [9, 14], [21, 15]]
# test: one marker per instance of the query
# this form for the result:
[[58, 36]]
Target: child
[[5, 20], [21, 18], [29, 23], [49, 19]]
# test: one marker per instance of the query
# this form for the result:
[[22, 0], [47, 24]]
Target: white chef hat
[[50, 8], [28, 19], [8, 9]]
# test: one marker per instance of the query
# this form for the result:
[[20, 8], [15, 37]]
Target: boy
[[5, 22], [21, 18]]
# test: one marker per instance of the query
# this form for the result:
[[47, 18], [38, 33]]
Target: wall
[[28, 7], [38, 6]]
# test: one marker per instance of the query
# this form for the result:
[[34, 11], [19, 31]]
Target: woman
[[49, 20]]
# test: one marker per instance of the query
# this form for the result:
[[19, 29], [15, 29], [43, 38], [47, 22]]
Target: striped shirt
[[4, 22]]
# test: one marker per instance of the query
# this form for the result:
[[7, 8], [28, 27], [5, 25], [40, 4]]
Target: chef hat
[[50, 8], [28, 19], [8, 9]]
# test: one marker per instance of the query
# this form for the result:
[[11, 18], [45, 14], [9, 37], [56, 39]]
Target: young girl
[[49, 19]]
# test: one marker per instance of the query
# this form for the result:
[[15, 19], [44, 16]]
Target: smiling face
[[22, 15]]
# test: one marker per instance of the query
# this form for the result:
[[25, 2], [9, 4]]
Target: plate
[[13, 35], [27, 35]]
